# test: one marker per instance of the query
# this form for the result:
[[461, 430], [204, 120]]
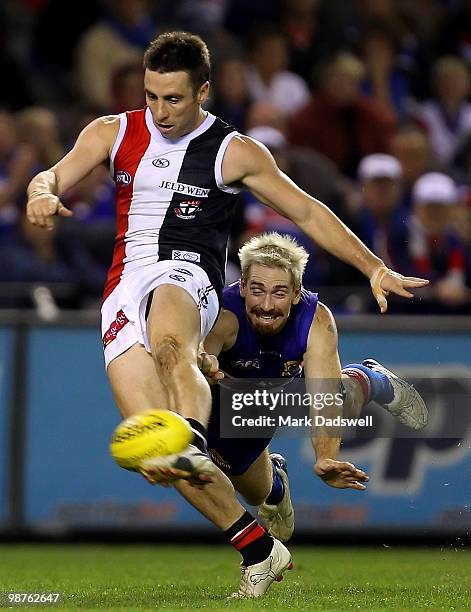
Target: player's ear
[[243, 289], [203, 92], [297, 295]]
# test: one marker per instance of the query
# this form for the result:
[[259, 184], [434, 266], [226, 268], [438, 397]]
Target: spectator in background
[[454, 35], [16, 90], [29, 255], [268, 79], [302, 28], [17, 167], [127, 88], [116, 40], [264, 113], [434, 248], [87, 238], [384, 81], [380, 220], [314, 174], [230, 98], [447, 117], [38, 127], [410, 145], [340, 122], [239, 13]]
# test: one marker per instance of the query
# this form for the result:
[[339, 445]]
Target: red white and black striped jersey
[[171, 202]]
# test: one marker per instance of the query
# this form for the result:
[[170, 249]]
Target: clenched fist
[[42, 207]]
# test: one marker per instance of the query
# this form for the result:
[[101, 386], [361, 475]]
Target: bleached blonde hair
[[274, 250]]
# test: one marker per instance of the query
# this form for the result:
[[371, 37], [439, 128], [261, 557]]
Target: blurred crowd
[[363, 103]]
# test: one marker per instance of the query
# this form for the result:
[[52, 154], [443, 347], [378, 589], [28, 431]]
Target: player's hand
[[384, 281], [41, 209], [209, 365], [341, 474]]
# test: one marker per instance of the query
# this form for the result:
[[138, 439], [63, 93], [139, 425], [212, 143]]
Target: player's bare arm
[[221, 338], [323, 374], [249, 163], [93, 146]]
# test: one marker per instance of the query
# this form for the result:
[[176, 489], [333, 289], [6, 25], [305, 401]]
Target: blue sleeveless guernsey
[[254, 356]]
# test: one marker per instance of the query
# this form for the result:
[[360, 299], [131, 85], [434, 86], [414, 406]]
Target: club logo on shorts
[[160, 162], [218, 460], [123, 177], [113, 330], [183, 271], [187, 209], [177, 277], [203, 301], [186, 256]]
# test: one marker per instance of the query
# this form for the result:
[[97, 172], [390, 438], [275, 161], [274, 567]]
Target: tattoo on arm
[[331, 328]]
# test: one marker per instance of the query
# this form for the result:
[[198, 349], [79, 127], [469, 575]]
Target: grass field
[[190, 577]]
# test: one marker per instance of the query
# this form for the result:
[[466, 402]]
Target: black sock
[[248, 537], [199, 435]]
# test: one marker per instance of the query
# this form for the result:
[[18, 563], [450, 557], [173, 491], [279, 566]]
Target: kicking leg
[[136, 388], [174, 336]]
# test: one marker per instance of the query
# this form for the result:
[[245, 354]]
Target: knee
[[256, 497], [168, 355]]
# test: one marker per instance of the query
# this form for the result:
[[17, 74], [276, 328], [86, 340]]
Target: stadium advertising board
[[71, 481], [6, 352]]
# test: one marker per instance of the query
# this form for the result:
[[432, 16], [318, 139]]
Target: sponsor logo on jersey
[[113, 330], [246, 364], [187, 209], [292, 368], [183, 271], [186, 256], [191, 190], [123, 177], [160, 162]]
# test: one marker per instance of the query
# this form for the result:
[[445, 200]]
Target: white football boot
[[407, 405], [192, 461], [279, 518], [256, 579]]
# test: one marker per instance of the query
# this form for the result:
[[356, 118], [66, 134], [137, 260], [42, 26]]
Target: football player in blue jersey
[[270, 327]]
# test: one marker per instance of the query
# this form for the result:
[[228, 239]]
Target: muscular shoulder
[[323, 328], [104, 128], [245, 156], [323, 316]]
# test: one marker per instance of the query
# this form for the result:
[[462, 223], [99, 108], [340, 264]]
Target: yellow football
[[156, 433]]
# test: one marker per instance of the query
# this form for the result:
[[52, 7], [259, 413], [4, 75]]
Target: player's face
[[175, 107], [269, 294]]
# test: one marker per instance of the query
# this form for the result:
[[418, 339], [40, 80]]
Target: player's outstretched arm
[[323, 374], [93, 147], [250, 163], [221, 338]]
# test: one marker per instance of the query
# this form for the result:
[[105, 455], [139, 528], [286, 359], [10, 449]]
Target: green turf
[[184, 578]]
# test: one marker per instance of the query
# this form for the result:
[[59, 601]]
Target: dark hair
[[179, 51]]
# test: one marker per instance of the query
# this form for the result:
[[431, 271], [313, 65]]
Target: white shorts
[[123, 314]]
